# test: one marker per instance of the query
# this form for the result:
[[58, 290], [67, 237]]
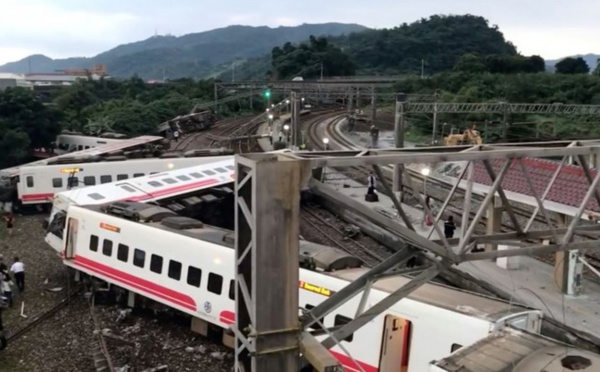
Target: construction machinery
[[469, 136]]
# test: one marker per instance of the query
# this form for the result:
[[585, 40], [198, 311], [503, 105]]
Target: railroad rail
[[335, 236], [41, 317]]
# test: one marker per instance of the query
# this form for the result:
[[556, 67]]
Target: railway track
[[43, 316], [336, 237], [436, 190]]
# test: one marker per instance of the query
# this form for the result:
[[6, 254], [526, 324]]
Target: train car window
[[89, 180], [57, 182], [107, 247], [221, 170], [183, 178], [94, 243], [123, 252], [29, 181], [153, 173], [174, 270], [156, 263], [215, 283], [232, 290], [316, 325], [170, 181], [196, 175], [136, 175], [106, 179], [73, 181], [80, 147], [155, 183], [194, 276], [455, 347], [96, 196], [122, 177], [341, 320], [127, 188], [208, 172], [230, 167], [139, 258], [87, 147]]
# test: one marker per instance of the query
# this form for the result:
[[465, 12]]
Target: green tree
[[470, 62], [572, 65]]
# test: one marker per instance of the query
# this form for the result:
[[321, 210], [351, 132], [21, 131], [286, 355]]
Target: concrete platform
[[265, 143], [532, 284]]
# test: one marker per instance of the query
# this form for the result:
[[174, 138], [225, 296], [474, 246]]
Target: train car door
[[395, 344], [26, 185], [71, 241]]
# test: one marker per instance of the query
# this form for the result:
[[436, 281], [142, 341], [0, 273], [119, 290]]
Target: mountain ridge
[[190, 55]]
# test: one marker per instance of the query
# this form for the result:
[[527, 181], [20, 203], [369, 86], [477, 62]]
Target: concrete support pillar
[[494, 224], [568, 269]]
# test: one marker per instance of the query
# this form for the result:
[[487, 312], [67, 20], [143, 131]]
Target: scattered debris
[[55, 289], [351, 231]]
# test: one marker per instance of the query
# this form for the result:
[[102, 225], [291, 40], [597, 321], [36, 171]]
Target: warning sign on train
[[315, 288], [108, 227]]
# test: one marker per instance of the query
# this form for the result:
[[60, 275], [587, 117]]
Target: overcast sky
[[66, 28]]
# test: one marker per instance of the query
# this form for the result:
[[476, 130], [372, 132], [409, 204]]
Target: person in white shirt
[[19, 270]]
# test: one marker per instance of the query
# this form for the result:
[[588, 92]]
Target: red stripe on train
[[171, 190], [31, 197], [228, 317], [164, 293]]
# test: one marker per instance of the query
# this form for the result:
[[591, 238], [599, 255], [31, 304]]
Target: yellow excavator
[[469, 136]]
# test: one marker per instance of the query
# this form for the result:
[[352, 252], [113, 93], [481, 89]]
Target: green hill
[[436, 44], [192, 55]]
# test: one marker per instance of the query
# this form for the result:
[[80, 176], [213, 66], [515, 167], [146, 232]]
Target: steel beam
[[502, 108], [267, 194], [381, 306], [358, 285]]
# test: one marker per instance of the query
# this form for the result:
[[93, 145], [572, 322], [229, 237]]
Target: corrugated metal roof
[[516, 351]]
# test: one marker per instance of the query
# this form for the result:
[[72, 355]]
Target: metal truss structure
[[267, 216], [354, 81], [500, 108]]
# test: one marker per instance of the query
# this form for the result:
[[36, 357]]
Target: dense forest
[[132, 107]]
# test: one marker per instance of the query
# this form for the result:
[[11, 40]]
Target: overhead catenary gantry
[[269, 334]]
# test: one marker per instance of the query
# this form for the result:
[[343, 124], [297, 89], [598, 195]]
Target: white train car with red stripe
[[207, 172], [152, 252]]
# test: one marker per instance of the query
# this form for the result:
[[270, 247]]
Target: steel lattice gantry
[[269, 334], [500, 108]]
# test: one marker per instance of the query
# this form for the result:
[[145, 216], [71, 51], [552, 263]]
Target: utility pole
[[321, 70], [216, 98], [295, 122], [233, 72], [399, 137], [422, 69], [373, 105], [505, 122], [435, 117]]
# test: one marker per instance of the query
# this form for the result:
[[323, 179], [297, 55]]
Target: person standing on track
[[10, 223], [19, 270]]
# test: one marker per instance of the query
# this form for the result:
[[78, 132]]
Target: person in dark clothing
[[371, 184], [449, 227], [10, 223]]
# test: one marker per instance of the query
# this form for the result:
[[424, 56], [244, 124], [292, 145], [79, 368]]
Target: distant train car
[[66, 143], [187, 123], [148, 251]]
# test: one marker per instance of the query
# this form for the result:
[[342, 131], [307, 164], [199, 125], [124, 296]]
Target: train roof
[[518, 351], [95, 151], [216, 171], [441, 296]]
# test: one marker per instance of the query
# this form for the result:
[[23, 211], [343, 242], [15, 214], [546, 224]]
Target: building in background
[[8, 80]]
